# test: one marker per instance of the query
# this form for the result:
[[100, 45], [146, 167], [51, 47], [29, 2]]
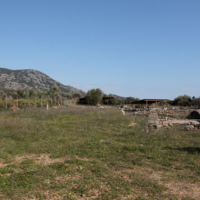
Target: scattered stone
[[195, 123], [54, 107], [153, 115], [150, 121], [198, 126], [170, 124], [165, 123], [169, 117], [189, 127]]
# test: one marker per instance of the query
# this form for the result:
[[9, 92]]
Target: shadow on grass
[[191, 150]]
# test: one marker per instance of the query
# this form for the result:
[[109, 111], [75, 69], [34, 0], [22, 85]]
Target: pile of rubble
[[168, 123], [163, 117]]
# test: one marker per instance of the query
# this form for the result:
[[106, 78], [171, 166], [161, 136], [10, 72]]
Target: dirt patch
[[65, 178], [180, 189], [47, 194], [42, 159], [2, 165], [183, 189], [132, 124], [94, 194], [84, 159], [45, 160]]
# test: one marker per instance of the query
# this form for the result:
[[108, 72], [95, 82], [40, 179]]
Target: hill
[[119, 97], [31, 79]]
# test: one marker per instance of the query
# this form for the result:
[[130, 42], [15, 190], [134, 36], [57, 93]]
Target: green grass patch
[[79, 152]]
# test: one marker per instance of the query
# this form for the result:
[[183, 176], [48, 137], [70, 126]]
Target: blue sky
[[139, 48]]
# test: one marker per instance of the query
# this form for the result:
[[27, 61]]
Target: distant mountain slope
[[31, 79], [119, 97]]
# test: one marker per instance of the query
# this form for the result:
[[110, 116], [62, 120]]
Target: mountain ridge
[[31, 79]]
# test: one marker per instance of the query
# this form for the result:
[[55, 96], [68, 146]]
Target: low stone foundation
[[168, 123], [173, 112], [169, 117]]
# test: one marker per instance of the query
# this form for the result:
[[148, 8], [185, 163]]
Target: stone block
[[189, 127]]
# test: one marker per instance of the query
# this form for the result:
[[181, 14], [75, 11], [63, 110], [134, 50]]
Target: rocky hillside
[[31, 79]]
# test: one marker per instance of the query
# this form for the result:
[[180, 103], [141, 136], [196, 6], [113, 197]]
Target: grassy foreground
[[91, 153]]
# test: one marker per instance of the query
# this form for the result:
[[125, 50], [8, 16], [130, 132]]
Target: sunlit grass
[[86, 152]]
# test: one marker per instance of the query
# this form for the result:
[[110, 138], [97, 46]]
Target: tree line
[[185, 100], [23, 93], [95, 96]]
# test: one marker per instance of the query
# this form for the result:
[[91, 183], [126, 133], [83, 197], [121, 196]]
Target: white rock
[[189, 127], [122, 111], [194, 123], [157, 126]]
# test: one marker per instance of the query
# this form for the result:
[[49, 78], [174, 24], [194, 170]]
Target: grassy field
[[91, 153]]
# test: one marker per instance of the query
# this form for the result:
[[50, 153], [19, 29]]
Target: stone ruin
[[167, 117]]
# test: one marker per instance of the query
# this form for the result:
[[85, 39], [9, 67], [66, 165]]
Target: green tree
[[20, 92], [182, 100], [67, 95], [32, 93], [23, 92], [1, 93], [129, 100], [113, 101], [116, 100], [76, 95], [53, 92], [94, 96], [39, 93], [196, 102], [14, 94]]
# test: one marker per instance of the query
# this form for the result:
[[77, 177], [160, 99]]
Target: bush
[[184, 100], [76, 95], [2, 105], [129, 100], [196, 102], [94, 96]]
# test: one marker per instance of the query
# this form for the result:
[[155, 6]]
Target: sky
[[138, 48]]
